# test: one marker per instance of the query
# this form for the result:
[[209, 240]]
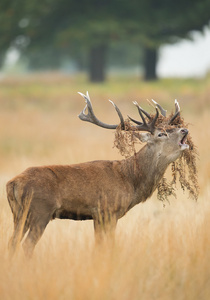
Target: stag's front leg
[[104, 227]]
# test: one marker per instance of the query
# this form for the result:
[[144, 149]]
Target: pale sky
[[186, 58]]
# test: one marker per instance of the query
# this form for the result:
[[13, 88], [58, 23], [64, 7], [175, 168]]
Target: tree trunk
[[97, 63], [150, 62], [2, 58]]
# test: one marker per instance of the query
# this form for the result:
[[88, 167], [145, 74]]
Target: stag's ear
[[144, 137]]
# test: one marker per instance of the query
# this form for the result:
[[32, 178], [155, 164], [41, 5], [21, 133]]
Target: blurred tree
[[155, 22], [10, 15], [78, 27]]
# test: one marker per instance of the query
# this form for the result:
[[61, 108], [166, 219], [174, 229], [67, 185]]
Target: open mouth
[[184, 139], [182, 143]]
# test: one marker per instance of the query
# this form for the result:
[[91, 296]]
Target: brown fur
[[100, 190]]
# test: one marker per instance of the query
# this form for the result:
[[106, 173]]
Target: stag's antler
[[162, 110], [141, 126], [90, 116], [144, 126], [177, 112]]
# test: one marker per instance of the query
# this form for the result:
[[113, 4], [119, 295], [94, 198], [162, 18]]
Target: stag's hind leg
[[36, 229], [20, 229]]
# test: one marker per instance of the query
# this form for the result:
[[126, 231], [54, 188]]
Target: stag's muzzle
[[183, 140]]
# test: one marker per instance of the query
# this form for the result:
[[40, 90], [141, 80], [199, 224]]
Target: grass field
[[160, 252]]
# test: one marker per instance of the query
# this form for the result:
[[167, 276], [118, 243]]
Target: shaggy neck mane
[[144, 170]]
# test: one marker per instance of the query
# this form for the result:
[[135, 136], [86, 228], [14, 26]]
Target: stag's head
[[165, 134], [169, 143], [168, 138]]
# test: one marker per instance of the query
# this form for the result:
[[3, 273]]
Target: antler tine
[[135, 121], [140, 113], [139, 109], [162, 110], [145, 126], [119, 114], [155, 119], [142, 110], [177, 112], [177, 107], [90, 116]]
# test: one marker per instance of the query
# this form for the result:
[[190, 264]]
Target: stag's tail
[[14, 205], [20, 214]]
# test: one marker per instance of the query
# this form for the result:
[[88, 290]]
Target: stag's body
[[82, 191], [99, 190]]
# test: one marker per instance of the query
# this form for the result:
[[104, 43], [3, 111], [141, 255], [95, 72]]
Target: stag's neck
[[144, 171]]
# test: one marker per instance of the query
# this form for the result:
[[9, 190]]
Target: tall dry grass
[[159, 253]]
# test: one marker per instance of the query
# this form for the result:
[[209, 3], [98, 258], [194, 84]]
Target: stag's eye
[[162, 134]]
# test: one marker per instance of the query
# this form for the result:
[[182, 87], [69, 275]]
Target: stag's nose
[[184, 131]]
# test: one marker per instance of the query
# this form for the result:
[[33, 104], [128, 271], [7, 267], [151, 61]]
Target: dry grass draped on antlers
[[184, 169]]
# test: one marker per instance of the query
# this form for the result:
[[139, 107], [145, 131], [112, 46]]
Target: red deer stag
[[102, 191]]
